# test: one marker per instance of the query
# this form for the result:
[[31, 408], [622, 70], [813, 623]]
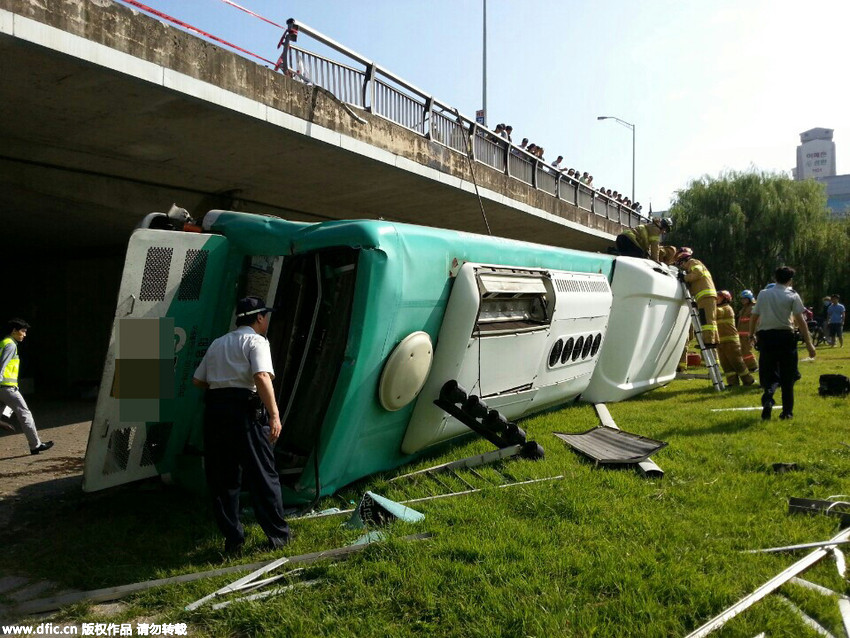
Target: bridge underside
[[87, 151]]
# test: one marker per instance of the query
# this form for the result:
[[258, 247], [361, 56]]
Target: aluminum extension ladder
[[708, 354]]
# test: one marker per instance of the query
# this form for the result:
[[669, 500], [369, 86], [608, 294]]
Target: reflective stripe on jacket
[[699, 279], [726, 324]]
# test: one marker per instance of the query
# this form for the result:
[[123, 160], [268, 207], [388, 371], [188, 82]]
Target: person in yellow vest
[[16, 331], [644, 240], [729, 346], [748, 300], [701, 286]]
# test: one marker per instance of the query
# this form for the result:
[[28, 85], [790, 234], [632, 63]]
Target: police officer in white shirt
[[771, 329], [241, 424]]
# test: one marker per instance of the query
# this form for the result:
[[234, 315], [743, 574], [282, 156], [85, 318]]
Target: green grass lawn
[[603, 552]]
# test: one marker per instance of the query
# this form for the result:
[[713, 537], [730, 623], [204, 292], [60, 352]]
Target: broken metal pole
[[844, 608], [238, 584], [434, 497], [650, 469], [808, 620], [114, 593], [266, 594], [818, 588], [840, 563], [789, 548], [771, 585], [471, 461]]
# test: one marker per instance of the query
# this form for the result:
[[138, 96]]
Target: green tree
[[744, 225]]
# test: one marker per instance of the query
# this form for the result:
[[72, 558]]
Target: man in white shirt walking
[[241, 424], [771, 329]]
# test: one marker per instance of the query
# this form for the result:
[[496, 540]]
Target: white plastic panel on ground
[[646, 332], [511, 369]]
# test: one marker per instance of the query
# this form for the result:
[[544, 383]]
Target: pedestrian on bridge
[[10, 394]]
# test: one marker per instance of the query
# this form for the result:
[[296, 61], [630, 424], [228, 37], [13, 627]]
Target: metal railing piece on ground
[[379, 91]]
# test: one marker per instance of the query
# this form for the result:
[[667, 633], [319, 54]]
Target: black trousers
[[237, 447], [628, 248], [778, 365]]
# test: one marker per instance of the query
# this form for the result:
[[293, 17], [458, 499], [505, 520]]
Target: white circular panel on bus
[[406, 370]]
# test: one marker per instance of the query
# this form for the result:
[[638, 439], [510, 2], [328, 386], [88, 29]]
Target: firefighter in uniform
[[729, 346], [748, 300], [644, 240], [701, 286], [667, 254], [241, 424]]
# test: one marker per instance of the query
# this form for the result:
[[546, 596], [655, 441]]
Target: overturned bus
[[372, 319]]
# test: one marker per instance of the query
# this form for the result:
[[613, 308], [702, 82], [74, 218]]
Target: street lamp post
[[631, 126]]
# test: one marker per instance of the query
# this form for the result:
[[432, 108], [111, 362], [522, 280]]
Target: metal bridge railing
[[449, 131], [377, 90], [343, 81], [521, 166]]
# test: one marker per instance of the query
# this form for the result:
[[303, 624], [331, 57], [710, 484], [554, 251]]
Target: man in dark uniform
[[770, 327], [241, 424]]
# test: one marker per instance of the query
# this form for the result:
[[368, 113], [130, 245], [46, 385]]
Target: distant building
[[816, 160], [816, 154]]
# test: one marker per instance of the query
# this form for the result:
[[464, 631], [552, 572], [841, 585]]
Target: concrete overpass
[[107, 114]]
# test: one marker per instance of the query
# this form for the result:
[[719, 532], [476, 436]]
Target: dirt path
[[27, 478]]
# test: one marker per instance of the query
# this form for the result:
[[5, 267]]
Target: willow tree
[[744, 225]]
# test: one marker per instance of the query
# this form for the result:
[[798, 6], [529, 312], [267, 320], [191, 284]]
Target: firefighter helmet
[[666, 224], [684, 254], [724, 296], [748, 294]]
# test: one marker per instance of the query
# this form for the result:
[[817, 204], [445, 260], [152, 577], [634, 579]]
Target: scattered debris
[[781, 468], [647, 467], [510, 452], [335, 512], [808, 620], [815, 587], [844, 608], [606, 446], [250, 580], [270, 592], [777, 407], [114, 593], [470, 410], [791, 548], [773, 584], [840, 563], [378, 510], [840, 509], [370, 537], [691, 375]]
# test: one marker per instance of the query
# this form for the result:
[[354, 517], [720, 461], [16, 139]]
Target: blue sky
[[710, 86]]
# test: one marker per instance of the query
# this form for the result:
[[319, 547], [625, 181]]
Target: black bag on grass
[[833, 385]]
